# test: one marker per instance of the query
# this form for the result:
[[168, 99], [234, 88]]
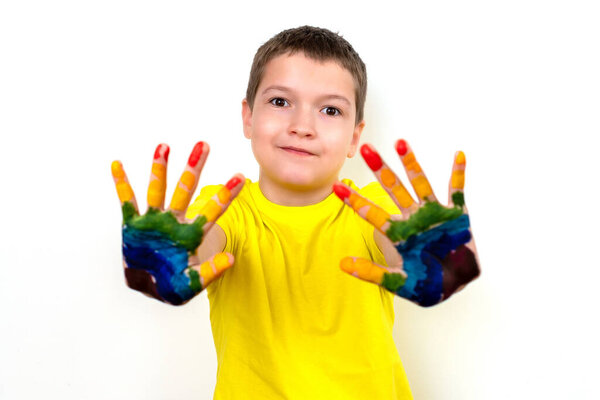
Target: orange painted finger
[[388, 179], [158, 177], [390, 279], [189, 179], [457, 180], [217, 204], [124, 190], [202, 275], [417, 177], [374, 214]]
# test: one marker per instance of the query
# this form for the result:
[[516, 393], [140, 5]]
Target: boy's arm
[[435, 254], [160, 256]]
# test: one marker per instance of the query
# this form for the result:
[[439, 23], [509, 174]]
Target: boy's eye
[[331, 111], [279, 102]]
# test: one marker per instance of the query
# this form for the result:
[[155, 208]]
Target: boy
[[287, 324]]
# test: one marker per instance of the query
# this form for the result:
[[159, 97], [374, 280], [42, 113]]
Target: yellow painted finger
[[158, 177], [415, 173], [183, 193], [217, 204], [457, 181], [394, 186], [374, 214], [189, 179], [124, 190]]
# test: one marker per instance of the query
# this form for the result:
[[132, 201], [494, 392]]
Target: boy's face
[[302, 125]]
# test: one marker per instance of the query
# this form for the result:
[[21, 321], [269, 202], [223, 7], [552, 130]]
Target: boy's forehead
[[300, 73]]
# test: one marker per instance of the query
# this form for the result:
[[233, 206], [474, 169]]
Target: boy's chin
[[303, 182]]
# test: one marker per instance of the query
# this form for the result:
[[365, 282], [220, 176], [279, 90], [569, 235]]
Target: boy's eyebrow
[[327, 96]]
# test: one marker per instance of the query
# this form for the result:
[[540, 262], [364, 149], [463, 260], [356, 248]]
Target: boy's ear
[[247, 119], [355, 138]]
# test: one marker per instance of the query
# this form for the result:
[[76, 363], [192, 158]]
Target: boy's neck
[[291, 196]]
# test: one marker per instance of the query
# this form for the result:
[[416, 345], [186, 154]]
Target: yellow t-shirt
[[287, 322]]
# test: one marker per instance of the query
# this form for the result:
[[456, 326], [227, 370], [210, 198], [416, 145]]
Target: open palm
[[435, 242], [159, 247]]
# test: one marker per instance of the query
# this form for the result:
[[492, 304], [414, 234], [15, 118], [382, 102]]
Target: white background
[[514, 84]]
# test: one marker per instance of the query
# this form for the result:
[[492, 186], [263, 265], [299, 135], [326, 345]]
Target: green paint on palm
[[189, 236], [393, 282], [430, 214], [458, 198], [195, 284], [128, 211]]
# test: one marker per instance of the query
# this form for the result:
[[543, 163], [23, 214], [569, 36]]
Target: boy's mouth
[[297, 150]]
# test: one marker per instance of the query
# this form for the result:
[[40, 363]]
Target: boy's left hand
[[435, 242]]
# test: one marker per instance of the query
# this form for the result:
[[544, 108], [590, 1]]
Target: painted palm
[[159, 247], [435, 242]]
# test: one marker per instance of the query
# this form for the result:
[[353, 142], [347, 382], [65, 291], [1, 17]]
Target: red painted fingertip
[[196, 154], [401, 147], [341, 191], [233, 182], [162, 148], [371, 157]]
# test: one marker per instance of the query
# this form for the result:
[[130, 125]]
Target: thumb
[[390, 279], [201, 275]]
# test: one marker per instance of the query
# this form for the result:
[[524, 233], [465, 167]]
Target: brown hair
[[319, 44]]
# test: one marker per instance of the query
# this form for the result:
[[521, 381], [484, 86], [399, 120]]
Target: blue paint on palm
[[165, 260], [422, 254]]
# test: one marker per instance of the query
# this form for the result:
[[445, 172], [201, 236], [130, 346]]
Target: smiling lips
[[297, 150]]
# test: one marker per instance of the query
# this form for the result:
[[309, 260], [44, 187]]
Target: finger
[[217, 204], [374, 214], [366, 270], [124, 191], [158, 177], [202, 275], [189, 179], [417, 177], [457, 181], [388, 180]]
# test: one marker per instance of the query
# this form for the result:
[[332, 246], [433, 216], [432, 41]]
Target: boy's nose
[[302, 124]]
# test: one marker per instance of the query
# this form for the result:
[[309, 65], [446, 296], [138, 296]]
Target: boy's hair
[[319, 44]]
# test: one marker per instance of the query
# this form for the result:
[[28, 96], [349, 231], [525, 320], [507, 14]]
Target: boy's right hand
[[159, 247]]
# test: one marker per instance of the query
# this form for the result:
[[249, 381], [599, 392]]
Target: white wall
[[514, 84]]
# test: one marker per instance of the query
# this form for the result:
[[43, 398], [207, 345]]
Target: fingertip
[[241, 176], [116, 168], [460, 158], [347, 264], [200, 148], [235, 181], [341, 190], [401, 147], [162, 150], [371, 157], [205, 147], [230, 258]]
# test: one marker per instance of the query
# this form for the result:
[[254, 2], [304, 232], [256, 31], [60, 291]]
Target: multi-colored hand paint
[[431, 239], [158, 246]]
